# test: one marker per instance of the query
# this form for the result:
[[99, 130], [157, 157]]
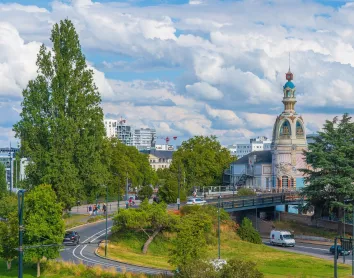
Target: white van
[[283, 238]]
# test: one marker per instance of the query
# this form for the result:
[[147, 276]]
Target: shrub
[[246, 192], [248, 233], [240, 269], [95, 218]]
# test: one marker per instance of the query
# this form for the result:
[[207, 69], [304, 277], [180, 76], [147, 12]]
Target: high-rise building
[[144, 138], [111, 127], [261, 143], [125, 134]]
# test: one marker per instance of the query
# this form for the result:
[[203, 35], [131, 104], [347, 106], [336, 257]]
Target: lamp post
[[118, 190], [179, 187], [10, 155], [126, 193], [352, 239], [20, 200], [219, 205], [106, 211]]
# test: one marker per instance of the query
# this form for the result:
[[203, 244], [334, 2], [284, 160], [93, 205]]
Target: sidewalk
[[111, 207]]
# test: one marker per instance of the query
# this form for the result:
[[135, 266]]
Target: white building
[[144, 138], [111, 127], [256, 144], [125, 134], [164, 147]]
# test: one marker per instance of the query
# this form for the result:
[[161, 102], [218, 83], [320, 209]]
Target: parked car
[[340, 251], [196, 201], [71, 237], [282, 238]]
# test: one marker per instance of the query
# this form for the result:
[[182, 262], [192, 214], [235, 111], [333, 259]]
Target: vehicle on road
[[340, 251], [282, 238], [71, 237], [196, 201]]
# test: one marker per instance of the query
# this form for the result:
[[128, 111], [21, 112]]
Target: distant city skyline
[[185, 68]]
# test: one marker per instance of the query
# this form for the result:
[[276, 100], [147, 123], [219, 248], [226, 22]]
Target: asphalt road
[[316, 250], [90, 236]]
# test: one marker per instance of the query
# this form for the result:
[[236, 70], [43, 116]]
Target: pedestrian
[[104, 208], [98, 208], [130, 201], [94, 210], [90, 210]]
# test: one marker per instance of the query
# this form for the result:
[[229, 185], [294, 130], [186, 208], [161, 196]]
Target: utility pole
[[179, 185], [20, 200], [352, 240], [219, 205], [126, 193], [106, 211]]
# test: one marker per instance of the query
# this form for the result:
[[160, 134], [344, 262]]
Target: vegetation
[[247, 233], [245, 192], [331, 174], [44, 224], [61, 126], [200, 161], [3, 183], [145, 192], [8, 229], [151, 219]]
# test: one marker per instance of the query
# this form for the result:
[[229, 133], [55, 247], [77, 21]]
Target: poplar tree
[[61, 127]]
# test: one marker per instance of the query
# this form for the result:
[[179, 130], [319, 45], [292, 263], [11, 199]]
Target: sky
[[197, 67]]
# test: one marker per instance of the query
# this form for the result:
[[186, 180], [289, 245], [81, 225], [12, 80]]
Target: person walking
[[90, 210], [99, 208], [104, 208]]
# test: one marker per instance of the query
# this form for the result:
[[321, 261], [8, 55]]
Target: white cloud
[[204, 91]]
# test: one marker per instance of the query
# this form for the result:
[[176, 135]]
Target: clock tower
[[288, 142]]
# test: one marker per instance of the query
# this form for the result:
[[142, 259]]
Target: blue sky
[[197, 67]]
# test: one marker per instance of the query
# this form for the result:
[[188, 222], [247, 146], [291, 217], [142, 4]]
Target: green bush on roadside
[[95, 218], [247, 233]]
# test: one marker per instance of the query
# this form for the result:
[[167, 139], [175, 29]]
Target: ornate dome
[[289, 84]]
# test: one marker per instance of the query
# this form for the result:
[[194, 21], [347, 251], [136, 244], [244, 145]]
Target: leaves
[[61, 126], [248, 233]]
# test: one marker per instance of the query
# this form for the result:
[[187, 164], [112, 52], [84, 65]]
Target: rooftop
[[261, 157]]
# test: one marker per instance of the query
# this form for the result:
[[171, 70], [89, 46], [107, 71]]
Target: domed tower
[[288, 142]]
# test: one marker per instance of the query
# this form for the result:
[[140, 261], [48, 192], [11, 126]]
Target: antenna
[[289, 61]]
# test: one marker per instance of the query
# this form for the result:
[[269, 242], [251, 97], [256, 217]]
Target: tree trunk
[[8, 263], [38, 268], [150, 239]]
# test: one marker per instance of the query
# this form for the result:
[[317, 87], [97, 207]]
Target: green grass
[[80, 219], [271, 262], [301, 229]]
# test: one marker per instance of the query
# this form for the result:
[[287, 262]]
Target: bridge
[[260, 201]]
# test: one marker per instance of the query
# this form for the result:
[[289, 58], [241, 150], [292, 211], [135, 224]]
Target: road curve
[[90, 236]]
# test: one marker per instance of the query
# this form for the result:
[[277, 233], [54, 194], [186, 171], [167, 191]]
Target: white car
[[196, 201], [283, 238]]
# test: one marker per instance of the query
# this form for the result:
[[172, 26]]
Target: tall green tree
[[61, 126], [43, 224], [200, 161], [329, 179], [3, 183]]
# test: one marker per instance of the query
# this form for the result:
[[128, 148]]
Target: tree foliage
[[61, 126], [330, 176], [151, 219], [191, 241], [247, 233], [145, 192], [126, 161], [168, 186], [3, 183], [43, 224], [8, 229]]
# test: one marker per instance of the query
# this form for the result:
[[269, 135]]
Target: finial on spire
[[289, 75]]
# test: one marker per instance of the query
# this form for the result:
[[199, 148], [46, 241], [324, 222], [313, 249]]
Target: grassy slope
[[271, 262]]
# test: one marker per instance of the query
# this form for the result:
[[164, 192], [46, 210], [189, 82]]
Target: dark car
[[340, 251], [71, 237]]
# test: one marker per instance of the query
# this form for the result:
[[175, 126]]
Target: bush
[[240, 269], [145, 192], [95, 218], [246, 192], [207, 209], [248, 233], [196, 269]]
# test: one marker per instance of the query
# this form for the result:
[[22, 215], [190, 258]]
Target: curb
[[87, 224], [112, 260]]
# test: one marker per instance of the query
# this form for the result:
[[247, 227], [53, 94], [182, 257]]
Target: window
[[284, 181], [299, 129], [285, 129]]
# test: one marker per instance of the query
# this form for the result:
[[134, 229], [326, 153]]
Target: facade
[[160, 159], [164, 147], [110, 127], [256, 144], [276, 169], [125, 134], [144, 138]]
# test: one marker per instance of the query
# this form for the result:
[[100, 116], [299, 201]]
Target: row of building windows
[[160, 160]]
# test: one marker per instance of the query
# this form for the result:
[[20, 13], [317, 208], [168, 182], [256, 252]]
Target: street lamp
[[106, 211], [126, 194], [179, 186], [219, 205], [10, 155], [114, 174], [20, 200]]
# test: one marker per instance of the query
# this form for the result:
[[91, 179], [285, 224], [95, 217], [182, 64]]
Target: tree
[[248, 233], [151, 219], [145, 192], [168, 186], [191, 241], [43, 224], [3, 183], [202, 160], [8, 229], [61, 126], [330, 177]]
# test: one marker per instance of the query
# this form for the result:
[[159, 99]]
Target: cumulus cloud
[[232, 57]]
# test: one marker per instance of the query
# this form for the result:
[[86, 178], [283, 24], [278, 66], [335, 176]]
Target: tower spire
[[289, 62]]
